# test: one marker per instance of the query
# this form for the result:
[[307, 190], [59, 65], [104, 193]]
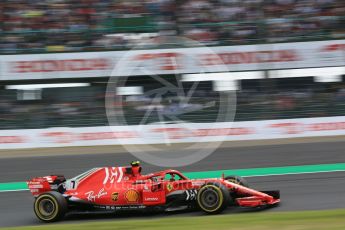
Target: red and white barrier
[[172, 61], [172, 133]]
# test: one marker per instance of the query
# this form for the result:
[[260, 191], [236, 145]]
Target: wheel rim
[[209, 198], [46, 207]]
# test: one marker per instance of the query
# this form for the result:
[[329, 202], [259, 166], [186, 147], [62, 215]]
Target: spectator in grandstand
[[61, 25]]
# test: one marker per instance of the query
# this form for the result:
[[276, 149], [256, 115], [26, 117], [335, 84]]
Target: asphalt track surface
[[299, 192]]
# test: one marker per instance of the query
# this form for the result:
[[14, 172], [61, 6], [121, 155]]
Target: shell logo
[[132, 196]]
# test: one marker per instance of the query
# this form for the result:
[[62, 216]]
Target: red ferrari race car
[[112, 189]]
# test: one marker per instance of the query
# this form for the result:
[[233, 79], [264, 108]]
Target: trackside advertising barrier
[[172, 133], [172, 61]]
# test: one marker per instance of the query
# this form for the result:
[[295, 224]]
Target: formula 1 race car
[[111, 189]]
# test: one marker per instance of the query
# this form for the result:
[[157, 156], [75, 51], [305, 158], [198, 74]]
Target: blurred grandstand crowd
[[78, 25], [84, 106], [39, 26]]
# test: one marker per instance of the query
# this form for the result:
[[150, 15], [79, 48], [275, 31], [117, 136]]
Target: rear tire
[[50, 207], [213, 198]]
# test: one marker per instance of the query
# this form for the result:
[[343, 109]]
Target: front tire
[[213, 198], [50, 207], [237, 180]]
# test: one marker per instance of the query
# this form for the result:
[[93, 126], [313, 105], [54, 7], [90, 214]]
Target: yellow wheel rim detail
[[220, 195], [39, 209]]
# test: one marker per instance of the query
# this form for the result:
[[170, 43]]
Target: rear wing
[[41, 185]]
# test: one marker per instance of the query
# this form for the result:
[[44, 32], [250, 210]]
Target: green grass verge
[[306, 220]]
